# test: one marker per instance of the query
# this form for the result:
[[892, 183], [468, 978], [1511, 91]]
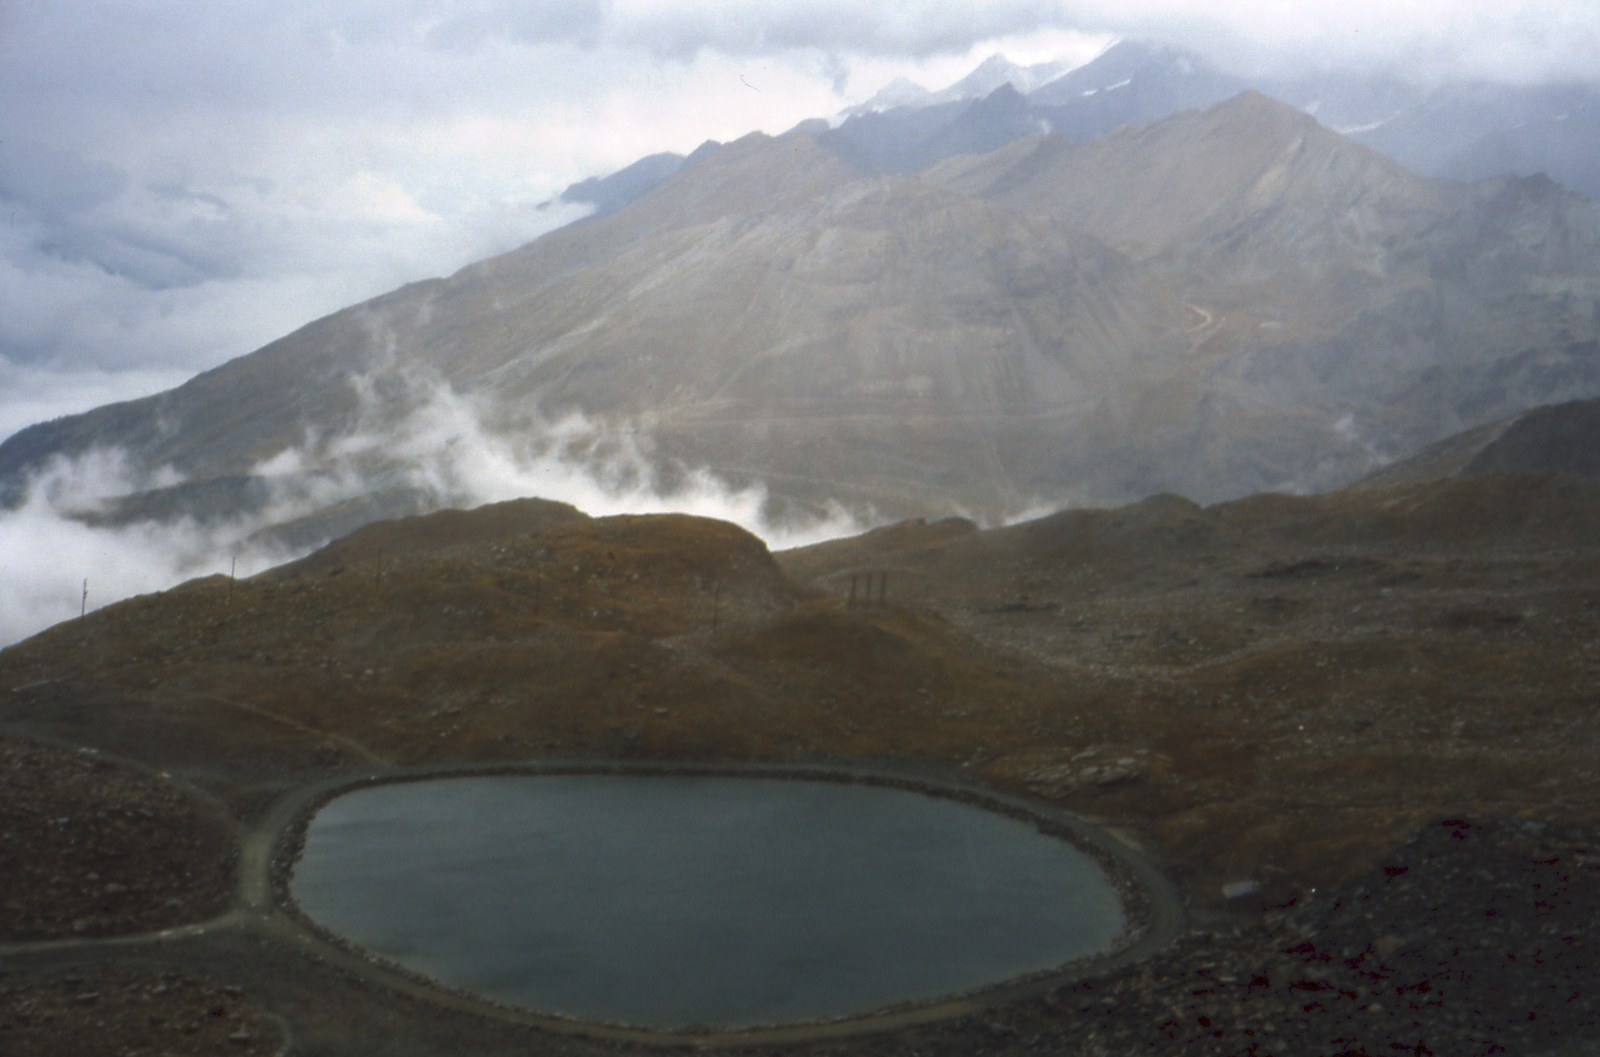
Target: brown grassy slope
[[669, 637], [439, 530]]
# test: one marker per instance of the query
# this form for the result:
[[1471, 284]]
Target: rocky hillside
[[1391, 652], [1268, 696]]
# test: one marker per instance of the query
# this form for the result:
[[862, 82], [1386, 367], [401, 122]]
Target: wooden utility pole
[[83, 606]]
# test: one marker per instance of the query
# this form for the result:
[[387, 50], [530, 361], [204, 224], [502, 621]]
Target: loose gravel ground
[[1473, 938], [89, 848], [117, 1015]]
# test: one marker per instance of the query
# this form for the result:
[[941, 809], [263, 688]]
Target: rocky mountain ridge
[[1221, 302], [1461, 131], [1454, 130]]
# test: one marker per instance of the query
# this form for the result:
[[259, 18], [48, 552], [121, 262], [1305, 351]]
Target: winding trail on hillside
[[352, 746], [1206, 318]]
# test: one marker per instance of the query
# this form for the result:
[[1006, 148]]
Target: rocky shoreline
[[1475, 938]]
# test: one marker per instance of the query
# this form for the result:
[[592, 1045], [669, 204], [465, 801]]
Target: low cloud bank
[[114, 285], [441, 451]]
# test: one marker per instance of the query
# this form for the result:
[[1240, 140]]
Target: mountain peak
[[991, 74], [1005, 96], [1146, 80], [610, 193], [897, 93], [998, 72], [1253, 105], [1199, 174], [995, 65]]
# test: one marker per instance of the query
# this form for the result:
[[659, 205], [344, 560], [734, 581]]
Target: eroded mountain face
[[1221, 302]]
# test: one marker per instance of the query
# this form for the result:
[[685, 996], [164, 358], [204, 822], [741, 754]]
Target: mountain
[[903, 141], [988, 76], [609, 193], [1475, 131], [1250, 172], [1320, 273], [1564, 146], [995, 72], [1221, 302], [1131, 83], [1556, 439], [1455, 130], [764, 312], [900, 92]]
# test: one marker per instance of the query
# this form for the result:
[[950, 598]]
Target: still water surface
[[669, 901]]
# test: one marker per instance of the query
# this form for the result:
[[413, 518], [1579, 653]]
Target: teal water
[[670, 901]]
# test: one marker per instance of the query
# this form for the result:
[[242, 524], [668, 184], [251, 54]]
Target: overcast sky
[[181, 182]]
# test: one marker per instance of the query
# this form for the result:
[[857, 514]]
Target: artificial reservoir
[[667, 901]]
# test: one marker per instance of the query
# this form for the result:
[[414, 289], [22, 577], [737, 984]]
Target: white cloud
[[1511, 41], [49, 558], [440, 449], [152, 278], [34, 395]]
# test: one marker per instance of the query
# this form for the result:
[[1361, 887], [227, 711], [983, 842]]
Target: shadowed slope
[[1307, 671], [1561, 438]]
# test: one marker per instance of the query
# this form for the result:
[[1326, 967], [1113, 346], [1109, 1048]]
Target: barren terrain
[[1372, 713]]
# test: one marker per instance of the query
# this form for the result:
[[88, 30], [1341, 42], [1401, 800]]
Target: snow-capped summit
[[989, 75]]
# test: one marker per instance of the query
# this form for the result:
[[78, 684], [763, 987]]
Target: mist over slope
[[79, 539], [1220, 302]]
